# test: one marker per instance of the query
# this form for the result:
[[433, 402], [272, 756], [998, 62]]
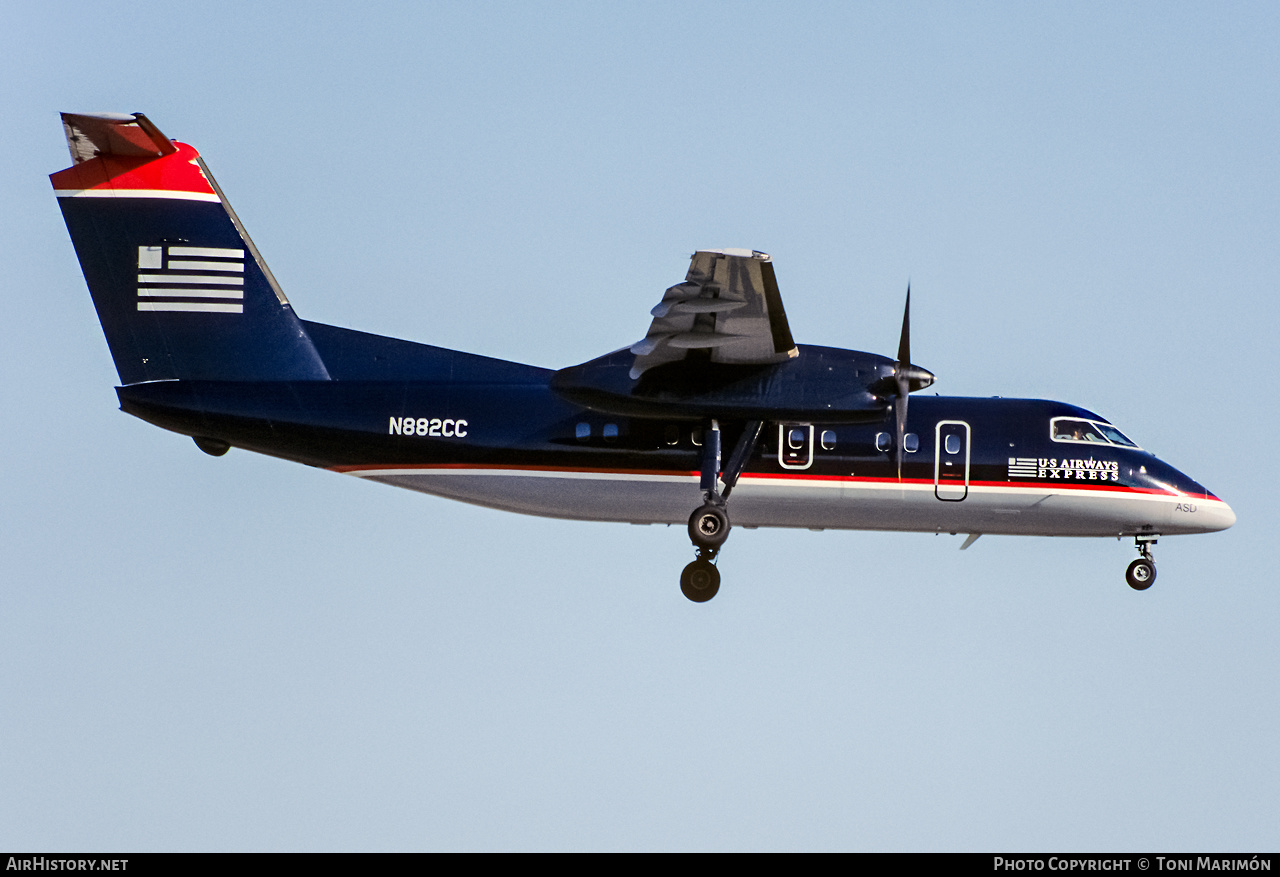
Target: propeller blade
[[900, 409], [902, 378], [904, 343]]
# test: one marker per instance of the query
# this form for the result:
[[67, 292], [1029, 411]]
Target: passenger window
[[795, 439], [828, 439], [911, 442], [583, 431], [883, 441], [610, 432], [672, 435], [952, 444]]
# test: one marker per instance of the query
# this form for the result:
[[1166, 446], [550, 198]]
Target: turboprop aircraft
[[207, 345]]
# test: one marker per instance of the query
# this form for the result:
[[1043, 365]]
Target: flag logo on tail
[[192, 279]]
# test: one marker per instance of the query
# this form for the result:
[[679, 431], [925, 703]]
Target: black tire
[[700, 581], [708, 526], [1141, 574]]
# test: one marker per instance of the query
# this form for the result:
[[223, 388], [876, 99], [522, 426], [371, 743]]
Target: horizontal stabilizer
[[90, 135]]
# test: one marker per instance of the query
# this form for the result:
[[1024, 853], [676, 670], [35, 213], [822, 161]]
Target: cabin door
[[951, 461], [795, 445]]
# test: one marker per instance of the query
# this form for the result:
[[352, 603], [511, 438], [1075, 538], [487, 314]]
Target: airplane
[[716, 408]]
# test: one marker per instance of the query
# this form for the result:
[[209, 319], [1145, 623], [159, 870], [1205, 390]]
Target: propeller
[[906, 377]]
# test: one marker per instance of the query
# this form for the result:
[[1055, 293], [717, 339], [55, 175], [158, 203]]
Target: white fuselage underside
[[816, 502]]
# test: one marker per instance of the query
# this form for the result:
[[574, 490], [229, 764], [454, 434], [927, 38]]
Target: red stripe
[[509, 467], [1020, 485], [776, 476], [177, 172]]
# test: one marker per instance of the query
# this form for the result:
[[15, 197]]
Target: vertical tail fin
[[180, 289]]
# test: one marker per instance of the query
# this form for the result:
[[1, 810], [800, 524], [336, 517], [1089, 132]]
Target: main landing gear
[[709, 523], [1141, 574], [700, 580]]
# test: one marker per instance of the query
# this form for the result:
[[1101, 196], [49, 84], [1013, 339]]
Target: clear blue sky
[[245, 654]]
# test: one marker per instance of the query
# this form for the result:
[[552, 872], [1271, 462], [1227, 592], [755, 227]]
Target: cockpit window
[[1075, 429], [1066, 429], [1115, 436]]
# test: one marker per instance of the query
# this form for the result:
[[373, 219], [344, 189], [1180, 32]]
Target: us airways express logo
[[1066, 470]]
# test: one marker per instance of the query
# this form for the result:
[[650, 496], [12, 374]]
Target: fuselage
[[495, 434]]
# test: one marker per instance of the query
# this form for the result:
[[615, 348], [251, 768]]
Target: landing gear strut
[[709, 523], [1141, 574]]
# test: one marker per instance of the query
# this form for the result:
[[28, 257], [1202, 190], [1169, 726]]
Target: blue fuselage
[[496, 434]]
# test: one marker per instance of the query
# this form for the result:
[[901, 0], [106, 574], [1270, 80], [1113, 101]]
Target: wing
[[728, 306]]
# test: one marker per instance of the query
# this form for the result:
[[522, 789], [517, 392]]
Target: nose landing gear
[[1141, 574]]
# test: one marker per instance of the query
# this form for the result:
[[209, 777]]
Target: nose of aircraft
[[1218, 516], [1198, 510], [1194, 508]]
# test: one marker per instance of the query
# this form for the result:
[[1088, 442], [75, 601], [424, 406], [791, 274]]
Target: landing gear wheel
[[1141, 574], [700, 580], [709, 526]]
